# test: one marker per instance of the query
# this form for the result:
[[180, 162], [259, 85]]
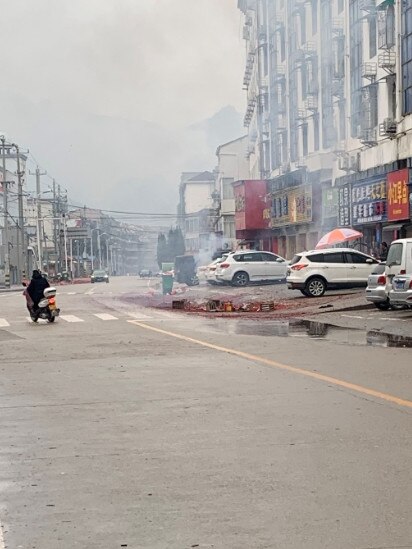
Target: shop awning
[[384, 4], [394, 227]]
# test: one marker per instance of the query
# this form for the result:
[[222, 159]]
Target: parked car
[[399, 259], [400, 294], [145, 273], [210, 271], [246, 266], [318, 270], [99, 276], [377, 290]]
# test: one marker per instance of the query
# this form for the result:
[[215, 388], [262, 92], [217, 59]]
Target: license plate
[[399, 284]]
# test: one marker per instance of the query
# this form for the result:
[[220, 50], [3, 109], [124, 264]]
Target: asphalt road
[[128, 427]]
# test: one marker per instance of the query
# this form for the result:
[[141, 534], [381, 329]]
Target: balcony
[[302, 114], [368, 137], [387, 61], [309, 49], [369, 6], [369, 71], [311, 103], [337, 27]]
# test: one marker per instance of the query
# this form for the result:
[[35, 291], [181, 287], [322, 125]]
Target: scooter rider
[[36, 288]]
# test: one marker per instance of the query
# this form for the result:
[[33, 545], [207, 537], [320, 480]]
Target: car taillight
[[224, 265], [299, 266], [382, 280], [403, 272], [410, 285]]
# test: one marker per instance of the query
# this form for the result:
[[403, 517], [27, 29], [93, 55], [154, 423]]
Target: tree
[[162, 250], [175, 243]]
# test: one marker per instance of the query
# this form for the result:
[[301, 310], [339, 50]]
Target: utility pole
[[6, 219], [56, 219], [21, 237], [38, 174]]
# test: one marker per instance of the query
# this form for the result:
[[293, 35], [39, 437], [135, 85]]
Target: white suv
[[314, 272], [241, 268]]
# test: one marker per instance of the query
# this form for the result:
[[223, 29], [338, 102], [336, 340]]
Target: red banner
[[398, 195]]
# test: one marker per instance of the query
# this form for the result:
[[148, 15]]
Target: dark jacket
[[36, 287]]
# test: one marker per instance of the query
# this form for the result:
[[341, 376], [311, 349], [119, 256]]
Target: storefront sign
[[368, 202], [398, 195], [292, 206], [344, 207], [329, 203]]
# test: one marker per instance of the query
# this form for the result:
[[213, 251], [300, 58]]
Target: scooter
[[47, 309]]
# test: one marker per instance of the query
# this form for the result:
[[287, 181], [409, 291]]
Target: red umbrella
[[338, 236]]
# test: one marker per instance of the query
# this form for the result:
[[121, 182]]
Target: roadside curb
[[11, 290]]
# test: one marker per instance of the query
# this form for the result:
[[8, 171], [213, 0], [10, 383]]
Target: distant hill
[[113, 163]]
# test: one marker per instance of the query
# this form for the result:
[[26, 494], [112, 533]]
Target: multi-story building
[[233, 165], [198, 212], [295, 113], [373, 171]]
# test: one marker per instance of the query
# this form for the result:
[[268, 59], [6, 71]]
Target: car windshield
[[379, 269], [99, 273]]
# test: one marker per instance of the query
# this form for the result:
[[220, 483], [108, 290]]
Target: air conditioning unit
[[246, 32], [302, 114], [387, 61], [344, 163], [248, 21], [354, 161], [388, 128]]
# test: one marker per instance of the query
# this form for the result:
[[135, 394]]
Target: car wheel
[[304, 292], [383, 306], [315, 287], [240, 279]]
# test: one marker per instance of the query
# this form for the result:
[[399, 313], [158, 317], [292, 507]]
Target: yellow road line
[[268, 362]]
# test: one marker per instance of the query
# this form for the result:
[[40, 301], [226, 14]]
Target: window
[[305, 139], [243, 258], [372, 37], [334, 258], [340, 5], [356, 258], [407, 56], [395, 254], [295, 259], [316, 138], [316, 258], [314, 16], [227, 188], [230, 229], [269, 257]]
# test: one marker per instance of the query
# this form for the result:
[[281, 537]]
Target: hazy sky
[[103, 91]]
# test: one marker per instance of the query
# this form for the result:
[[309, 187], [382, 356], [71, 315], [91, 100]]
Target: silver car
[[377, 291], [401, 293]]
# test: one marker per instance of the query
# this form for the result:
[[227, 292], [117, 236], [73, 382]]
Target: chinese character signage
[[329, 203], [368, 202], [398, 195], [344, 207], [292, 206]]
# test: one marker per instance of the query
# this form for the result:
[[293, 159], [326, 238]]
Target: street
[[133, 427]]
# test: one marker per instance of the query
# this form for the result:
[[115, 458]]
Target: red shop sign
[[398, 195]]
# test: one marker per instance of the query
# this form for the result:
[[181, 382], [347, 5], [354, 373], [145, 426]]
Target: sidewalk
[[14, 288]]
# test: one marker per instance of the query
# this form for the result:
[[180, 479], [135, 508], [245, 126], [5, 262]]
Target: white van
[[399, 260]]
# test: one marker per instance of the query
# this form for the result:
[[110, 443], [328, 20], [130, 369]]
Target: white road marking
[[71, 318], [139, 316], [353, 316], [3, 323], [105, 316], [71, 293], [91, 291]]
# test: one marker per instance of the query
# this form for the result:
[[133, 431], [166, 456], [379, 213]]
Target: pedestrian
[[384, 251]]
